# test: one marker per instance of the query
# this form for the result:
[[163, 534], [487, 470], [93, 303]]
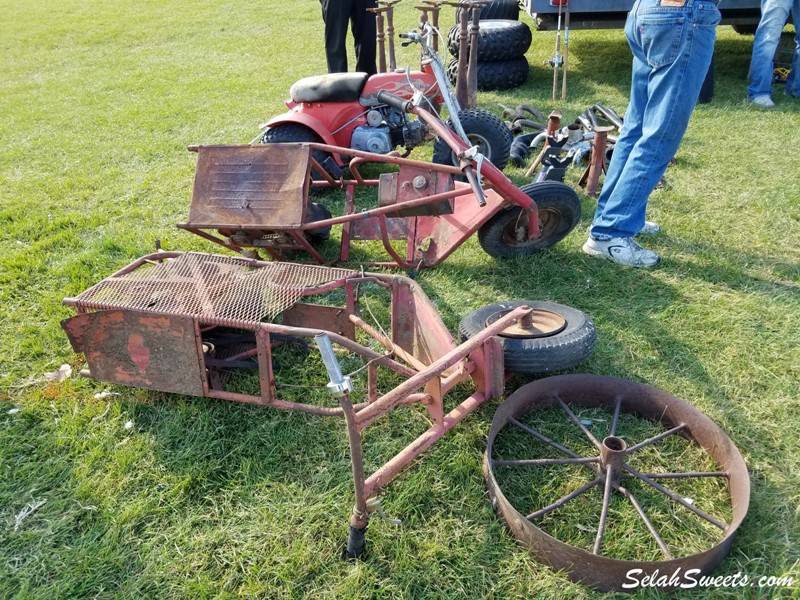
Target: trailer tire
[[505, 234], [543, 354], [496, 74], [497, 9], [498, 39], [484, 130]]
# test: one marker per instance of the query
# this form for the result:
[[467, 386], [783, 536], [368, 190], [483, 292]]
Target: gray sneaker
[[763, 101], [649, 228], [623, 251]]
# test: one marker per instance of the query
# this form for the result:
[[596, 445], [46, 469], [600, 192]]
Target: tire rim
[[484, 147], [540, 323], [516, 232]]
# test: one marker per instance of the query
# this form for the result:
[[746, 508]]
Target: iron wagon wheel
[[484, 130], [557, 337], [506, 233], [594, 475]]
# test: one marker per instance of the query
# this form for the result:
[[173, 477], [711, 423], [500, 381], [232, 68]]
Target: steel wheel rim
[[484, 147], [515, 234], [542, 323], [584, 566]]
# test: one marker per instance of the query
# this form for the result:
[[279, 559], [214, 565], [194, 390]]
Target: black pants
[[337, 14]]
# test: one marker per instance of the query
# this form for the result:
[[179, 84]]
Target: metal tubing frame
[[464, 357]]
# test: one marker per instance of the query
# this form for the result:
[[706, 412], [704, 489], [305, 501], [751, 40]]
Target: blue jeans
[[672, 49], [774, 14]]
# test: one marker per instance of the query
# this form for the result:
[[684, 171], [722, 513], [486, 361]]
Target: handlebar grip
[[476, 186], [397, 102]]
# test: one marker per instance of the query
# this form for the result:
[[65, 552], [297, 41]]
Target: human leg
[[364, 33], [793, 81], [774, 14], [672, 50], [630, 133], [336, 14]]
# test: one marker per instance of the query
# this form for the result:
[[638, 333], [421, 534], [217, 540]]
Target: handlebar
[[477, 190], [397, 102]]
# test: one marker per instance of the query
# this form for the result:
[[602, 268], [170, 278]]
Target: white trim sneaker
[[763, 101], [623, 251], [649, 228]]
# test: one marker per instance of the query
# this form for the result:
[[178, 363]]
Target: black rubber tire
[[504, 235], [317, 212], [557, 352], [496, 74], [745, 29], [497, 9], [498, 39], [295, 132], [485, 130]]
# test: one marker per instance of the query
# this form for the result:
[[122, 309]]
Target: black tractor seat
[[334, 87]]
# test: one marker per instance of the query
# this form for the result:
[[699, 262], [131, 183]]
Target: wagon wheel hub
[[537, 324]]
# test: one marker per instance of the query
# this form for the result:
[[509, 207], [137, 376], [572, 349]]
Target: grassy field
[[145, 495]]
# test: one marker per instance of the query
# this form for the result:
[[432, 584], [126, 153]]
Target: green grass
[[200, 498]]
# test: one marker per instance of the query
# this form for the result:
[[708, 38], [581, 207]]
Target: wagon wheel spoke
[[577, 421], [676, 498], [562, 501], [539, 462], [598, 541], [647, 523], [657, 438], [616, 416], [687, 475], [543, 438]]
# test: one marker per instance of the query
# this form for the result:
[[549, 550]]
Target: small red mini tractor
[[255, 198], [343, 109]]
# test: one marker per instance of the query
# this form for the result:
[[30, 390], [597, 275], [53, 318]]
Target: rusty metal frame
[[608, 470], [163, 346]]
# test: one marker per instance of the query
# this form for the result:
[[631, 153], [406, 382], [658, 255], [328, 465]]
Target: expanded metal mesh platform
[[212, 287]]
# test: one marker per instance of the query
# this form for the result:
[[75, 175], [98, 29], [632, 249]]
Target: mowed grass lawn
[[148, 495]]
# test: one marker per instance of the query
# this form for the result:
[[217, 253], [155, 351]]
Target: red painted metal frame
[[167, 352], [430, 236]]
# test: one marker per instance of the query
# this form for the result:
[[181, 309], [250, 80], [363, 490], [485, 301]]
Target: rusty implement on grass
[[565, 455], [216, 326], [255, 199]]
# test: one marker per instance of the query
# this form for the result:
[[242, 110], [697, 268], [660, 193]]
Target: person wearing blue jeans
[[774, 14], [672, 43]]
